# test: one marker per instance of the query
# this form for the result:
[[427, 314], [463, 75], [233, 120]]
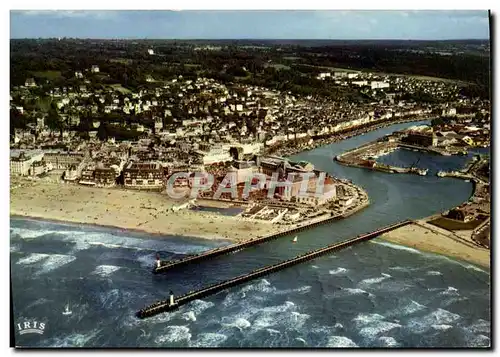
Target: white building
[[151, 52], [379, 84], [21, 164], [94, 69], [360, 83]]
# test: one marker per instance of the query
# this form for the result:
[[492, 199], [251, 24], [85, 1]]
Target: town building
[[20, 165], [30, 82], [421, 138], [140, 175], [63, 160]]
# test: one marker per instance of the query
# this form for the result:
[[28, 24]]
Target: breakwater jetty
[[174, 303], [162, 267]]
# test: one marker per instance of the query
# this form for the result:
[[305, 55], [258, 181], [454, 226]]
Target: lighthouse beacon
[[158, 260]]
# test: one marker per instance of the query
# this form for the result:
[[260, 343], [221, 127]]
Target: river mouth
[[373, 295]]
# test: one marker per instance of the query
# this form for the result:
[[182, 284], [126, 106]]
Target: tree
[[53, 120]]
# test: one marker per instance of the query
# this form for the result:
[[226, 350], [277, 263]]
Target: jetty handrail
[[164, 305]]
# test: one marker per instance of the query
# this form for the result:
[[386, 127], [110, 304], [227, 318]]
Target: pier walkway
[[169, 305], [164, 266]]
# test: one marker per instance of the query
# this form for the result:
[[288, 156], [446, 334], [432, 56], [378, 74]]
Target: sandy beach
[[426, 237], [138, 210]]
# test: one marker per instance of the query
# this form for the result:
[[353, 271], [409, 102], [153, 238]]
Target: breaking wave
[[32, 258], [372, 281], [340, 341], [450, 291], [54, 261], [209, 340], [105, 270], [432, 272], [174, 334], [396, 246], [337, 271], [239, 323], [352, 291], [388, 342], [437, 317], [366, 319], [189, 316], [73, 340]]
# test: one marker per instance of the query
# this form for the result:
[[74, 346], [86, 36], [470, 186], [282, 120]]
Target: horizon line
[[246, 39]]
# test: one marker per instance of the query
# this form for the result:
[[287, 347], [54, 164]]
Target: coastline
[[138, 211], [424, 239]]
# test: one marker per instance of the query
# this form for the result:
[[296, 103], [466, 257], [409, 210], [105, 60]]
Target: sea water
[[375, 294]]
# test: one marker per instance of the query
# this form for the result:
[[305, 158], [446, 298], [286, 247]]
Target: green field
[[121, 60], [119, 88], [277, 66], [50, 75]]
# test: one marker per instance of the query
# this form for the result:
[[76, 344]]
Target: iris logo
[[32, 326]]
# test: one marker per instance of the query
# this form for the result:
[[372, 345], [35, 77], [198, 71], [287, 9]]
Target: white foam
[[161, 318], [288, 305], [396, 246], [174, 334], [198, 306], [352, 291], [442, 327], [73, 340], [301, 290], [432, 272], [32, 258], [473, 267], [272, 331], [437, 317], [261, 286], [365, 319], [340, 341], [105, 270], [337, 271], [480, 326], [378, 328], [209, 340], [301, 340], [479, 341], [264, 322], [54, 261], [454, 300], [239, 323], [372, 281], [386, 341], [189, 316], [403, 269], [314, 266], [29, 233], [338, 325], [450, 291], [411, 308]]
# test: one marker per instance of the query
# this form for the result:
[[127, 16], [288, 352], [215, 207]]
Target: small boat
[[67, 311], [295, 239]]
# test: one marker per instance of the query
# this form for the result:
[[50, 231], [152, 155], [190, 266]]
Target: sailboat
[[295, 239], [67, 311]]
